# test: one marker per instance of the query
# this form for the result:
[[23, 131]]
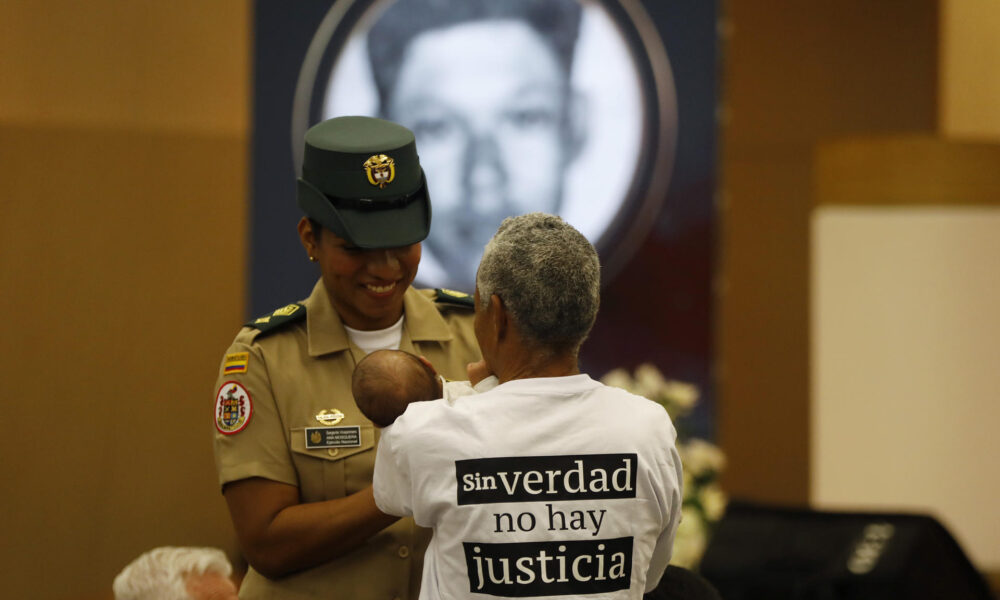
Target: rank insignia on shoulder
[[276, 319], [453, 297], [233, 408]]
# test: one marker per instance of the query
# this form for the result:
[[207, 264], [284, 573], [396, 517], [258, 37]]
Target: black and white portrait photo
[[517, 106]]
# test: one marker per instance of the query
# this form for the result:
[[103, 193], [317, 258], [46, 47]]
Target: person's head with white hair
[[177, 573], [538, 289]]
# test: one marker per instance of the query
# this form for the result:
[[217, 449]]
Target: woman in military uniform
[[293, 452]]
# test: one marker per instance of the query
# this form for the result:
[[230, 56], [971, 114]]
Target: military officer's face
[[365, 286], [488, 103]]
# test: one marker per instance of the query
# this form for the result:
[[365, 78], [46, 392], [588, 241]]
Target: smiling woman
[[293, 451], [366, 286]]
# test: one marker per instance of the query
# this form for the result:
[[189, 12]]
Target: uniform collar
[[423, 320], [327, 334]]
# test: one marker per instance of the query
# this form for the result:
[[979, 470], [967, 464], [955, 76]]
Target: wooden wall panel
[[182, 64], [970, 69], [908, 170], [123, 282], [123, 145]]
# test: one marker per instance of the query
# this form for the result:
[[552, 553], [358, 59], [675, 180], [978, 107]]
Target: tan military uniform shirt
[[299, 371]]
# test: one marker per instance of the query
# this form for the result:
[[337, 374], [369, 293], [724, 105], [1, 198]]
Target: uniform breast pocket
[[333, 462]]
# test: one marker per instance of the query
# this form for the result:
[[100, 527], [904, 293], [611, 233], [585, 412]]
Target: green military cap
[[361, 179]]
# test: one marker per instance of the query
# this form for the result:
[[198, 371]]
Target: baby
[[386, 381]]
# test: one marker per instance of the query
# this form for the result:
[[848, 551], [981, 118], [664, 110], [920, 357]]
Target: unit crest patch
[[233, 408]]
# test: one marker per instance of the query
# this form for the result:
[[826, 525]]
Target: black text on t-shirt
[[535, 478]]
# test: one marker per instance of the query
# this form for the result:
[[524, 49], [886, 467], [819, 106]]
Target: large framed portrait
[[602, 111], [561, 106]]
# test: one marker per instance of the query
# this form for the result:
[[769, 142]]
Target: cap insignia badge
[[329, 417], [380, 169]]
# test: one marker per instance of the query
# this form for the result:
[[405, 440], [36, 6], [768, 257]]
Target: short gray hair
[[548, 276], [160, 573]]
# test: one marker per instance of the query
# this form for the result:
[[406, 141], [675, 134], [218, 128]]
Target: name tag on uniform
[[333, 437]]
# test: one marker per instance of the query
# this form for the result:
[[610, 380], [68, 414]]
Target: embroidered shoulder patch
[[233, 408], [279, 318], [236, 362], [453, 297]]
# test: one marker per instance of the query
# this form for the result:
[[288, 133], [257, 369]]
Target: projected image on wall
[[517, 106]]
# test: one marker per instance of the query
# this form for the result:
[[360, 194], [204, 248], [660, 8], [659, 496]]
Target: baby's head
[[386, 381]]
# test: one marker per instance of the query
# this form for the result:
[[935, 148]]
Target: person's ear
[[497, 312], [307, 236]]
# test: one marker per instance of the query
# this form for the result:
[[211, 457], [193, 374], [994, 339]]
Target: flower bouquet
[[704, 500]]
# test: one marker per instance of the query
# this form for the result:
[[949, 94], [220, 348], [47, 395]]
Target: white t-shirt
[[555, 487], [380, 339]]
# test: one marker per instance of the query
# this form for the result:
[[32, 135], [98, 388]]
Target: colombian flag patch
[[236, 363]]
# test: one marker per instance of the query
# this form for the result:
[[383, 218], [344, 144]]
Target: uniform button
[[333, 451], [404, 552]]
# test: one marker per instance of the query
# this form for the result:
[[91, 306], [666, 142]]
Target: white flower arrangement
[[704, 501]]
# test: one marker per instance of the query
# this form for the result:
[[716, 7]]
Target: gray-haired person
[[485, 86], [550, 483], [177, 573]]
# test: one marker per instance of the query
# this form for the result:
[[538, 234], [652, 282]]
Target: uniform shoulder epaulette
[[452, 297], [279, 318]]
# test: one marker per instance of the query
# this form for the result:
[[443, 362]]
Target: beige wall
[[905, 366], [123, 129]]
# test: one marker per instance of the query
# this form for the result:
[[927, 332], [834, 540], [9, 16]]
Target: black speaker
[[770, 553]]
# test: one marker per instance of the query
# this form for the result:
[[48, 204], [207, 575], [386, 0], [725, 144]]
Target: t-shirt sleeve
[[669, 496], [249, 438], [391, 480]]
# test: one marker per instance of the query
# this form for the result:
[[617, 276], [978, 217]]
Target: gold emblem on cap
[[380, 169], [329, 417]]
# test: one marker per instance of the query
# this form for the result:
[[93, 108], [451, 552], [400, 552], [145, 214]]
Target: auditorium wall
[[970, 70], [905, 243], [877, 104], [123, 207], [794, 75], [123, 142]]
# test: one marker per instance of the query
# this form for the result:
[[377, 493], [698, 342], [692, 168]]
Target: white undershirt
[[380, 339]]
